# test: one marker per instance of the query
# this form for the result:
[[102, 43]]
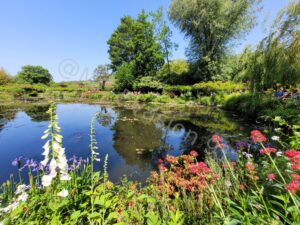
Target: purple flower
[[241, 145], [18, 161]]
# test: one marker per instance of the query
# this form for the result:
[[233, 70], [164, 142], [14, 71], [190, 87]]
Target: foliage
[[101, 75], [34, 75], [174, 73], [163, 35], [276, 59], [4, 77], [124, 77], [148, 84], [211, 25], [134, 42], [218, 86]]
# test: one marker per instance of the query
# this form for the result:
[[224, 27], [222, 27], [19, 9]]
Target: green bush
[[124, 77], [34, 75], [4, 77], [148, 84], [210, 87], [174, 73]]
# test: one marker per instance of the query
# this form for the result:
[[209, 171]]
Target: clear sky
[[68, 37]]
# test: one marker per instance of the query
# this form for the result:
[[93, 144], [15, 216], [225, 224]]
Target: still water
[[134, 137]]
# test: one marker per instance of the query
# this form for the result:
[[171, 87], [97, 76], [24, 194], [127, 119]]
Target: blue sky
[[69, 37]]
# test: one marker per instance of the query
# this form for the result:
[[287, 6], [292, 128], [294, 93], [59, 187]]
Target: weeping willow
[[277, 57]]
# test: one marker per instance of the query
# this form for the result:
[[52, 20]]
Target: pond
[[134, 136]]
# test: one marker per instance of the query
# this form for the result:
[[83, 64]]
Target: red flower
[[216, 138], [257, 136], [291, 153], [119, 211], [160, 161], [131, 204], [295, 166], [267, 150], [296, 177], [199, 167], [271, 176], [224, 166], [194, 153], [222, 146], [293, 187], [171, 159]]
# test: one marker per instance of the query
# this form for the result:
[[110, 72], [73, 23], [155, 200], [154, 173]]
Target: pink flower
[[295, 166], [199, 167], [267, 150], [160, 161], [257, 136], [233, 163], [295, 177], [271, 176], [194, 153], [222, 146], [216, 138], [293, 187], [291, 153]]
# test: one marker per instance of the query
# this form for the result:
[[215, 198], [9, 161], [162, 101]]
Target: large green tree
[[34, 75], [277, 57], [134, 43], [211, 26]]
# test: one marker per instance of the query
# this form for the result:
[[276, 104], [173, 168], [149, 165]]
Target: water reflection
[[134, 137]]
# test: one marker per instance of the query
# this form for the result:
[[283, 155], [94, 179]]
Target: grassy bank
[[228, 95]]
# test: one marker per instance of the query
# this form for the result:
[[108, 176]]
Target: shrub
[[210, 87], [4, 77], [34, 75], [148, 84], [124, 77]]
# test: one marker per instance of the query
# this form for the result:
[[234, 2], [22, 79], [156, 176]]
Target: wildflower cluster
[[183, 173]]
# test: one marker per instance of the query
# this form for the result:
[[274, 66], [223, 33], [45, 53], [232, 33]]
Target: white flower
[[20, 189], [277, 129], [64, 193], [275, 138], [23, 197], [10, 207], [65, 177], [56, 146], [279, 153], [45, 161], [53, 165], [46, 147], [46, 180]]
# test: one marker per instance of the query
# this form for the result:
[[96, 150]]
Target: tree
[[124, 77], [211, 26], [134, 42], [174, 73], [101, 75], [163, 35], [4, 77], [34, 75], [276, 59]]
